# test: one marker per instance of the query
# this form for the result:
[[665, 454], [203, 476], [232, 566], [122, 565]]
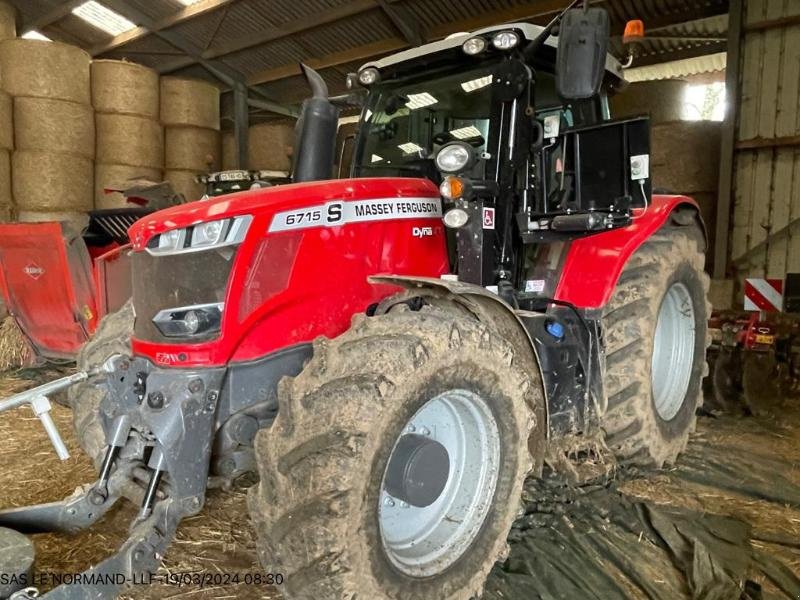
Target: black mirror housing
[[582, 48]]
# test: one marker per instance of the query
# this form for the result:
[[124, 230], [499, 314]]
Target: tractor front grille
[[175, 281]]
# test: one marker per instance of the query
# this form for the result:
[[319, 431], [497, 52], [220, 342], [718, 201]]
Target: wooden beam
[[725, 184], [190, 12], [331, 60], [402, 22], [779, 142], [51, 16], [773, 23]]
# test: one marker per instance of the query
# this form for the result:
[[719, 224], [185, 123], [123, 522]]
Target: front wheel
[[395, 466]]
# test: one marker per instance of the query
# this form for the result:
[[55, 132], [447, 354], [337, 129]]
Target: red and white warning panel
[[763, 294]]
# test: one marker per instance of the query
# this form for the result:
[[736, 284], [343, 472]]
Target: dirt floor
[[723, 523]]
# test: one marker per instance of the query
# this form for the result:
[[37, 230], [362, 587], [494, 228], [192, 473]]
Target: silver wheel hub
[[439, 483], [673, 351]]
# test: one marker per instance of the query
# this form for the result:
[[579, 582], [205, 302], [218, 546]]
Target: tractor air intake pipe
[[315, 133]]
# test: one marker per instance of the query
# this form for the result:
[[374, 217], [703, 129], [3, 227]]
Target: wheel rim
[[425, 540], [673, 351]]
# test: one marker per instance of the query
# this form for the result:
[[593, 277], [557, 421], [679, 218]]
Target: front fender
[[486, 306]]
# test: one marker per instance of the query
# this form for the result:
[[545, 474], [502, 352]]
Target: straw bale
[[685, 156], [51, 181], [53, 126], [270, 146], [15, 352], [191, 148], [6, 122], [183, 182], [189, 102], [8, 28], [124, 87], [129, 140], [6, 200], [45, 70], [114, 175], [35, 216]]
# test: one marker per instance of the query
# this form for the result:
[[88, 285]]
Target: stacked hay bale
[[269, 147], [6, 146], [130, 139], [8, 18], [685, 155], [52, 168], [190, 115]]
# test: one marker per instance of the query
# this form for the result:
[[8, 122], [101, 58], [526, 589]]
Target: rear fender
[[593, 264], [486, 306]]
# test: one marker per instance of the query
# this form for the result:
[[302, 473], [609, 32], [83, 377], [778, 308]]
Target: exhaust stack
[[315, 133]]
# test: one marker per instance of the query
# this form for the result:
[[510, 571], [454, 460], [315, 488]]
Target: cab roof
[[528, 30]]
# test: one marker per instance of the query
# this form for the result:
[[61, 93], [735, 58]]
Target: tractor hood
[[275, 200], [233, 278]]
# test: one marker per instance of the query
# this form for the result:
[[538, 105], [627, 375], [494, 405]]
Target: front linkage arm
[[157, 455]]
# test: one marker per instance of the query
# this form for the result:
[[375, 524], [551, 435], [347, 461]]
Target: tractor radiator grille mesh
[[165, 282]]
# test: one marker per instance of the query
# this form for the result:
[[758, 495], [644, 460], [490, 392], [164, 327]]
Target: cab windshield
[[404, 126]]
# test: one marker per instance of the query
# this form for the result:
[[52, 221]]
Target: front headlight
[[505, 40], [202, 236], [190, 321], [454, 157]]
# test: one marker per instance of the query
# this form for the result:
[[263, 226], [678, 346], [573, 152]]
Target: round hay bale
[[34, 216], [53, 126], [8, 24], [685, 156], [663, 100], [124, 87], [114, 175], [129, 140], [183, 182], [6, 122], [45, 70], [51, 181], [189, 102], [6, 199], [270, 146], [192, 149]]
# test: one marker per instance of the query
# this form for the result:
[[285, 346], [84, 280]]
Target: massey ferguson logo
[[421, 232], [33, 271]]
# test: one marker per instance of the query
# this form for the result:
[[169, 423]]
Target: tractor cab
[[521, 152]]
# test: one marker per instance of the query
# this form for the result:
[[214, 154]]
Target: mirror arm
[[534, 45]]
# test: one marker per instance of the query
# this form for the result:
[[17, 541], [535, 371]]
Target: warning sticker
[[488, 218], [534, 285], [338, 212]]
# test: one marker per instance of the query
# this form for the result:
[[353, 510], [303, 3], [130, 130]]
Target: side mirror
[[582, 47]]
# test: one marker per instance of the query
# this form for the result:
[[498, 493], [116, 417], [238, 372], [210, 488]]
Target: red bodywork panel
[[289, 287], [47, 285], [594, 263]]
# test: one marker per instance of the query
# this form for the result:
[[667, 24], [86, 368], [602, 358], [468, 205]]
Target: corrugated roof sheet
[[346, 29]]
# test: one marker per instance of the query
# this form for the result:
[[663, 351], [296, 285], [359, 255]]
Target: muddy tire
[[655, 328], [322, 514], [113, 336]]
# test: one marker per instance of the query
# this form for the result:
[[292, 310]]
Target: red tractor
[[394, 353]]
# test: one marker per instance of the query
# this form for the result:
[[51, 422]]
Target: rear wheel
[[656, 338], [395, 466], [113, 336]]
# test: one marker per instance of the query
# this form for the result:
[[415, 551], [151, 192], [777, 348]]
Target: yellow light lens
[[452, 188]]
